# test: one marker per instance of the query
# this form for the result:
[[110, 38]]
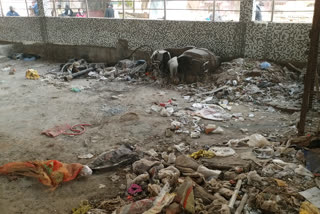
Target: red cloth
[[82, 16], [50, 173]]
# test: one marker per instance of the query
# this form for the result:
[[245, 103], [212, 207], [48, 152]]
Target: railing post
[[165, 9], [27, 7], [1, 9], [214, 10], [87, 8], [54, 8], [122, 9], [272, 13]]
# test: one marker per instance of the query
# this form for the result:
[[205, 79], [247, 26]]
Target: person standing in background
[[80, 13], [59, 10], [109, 11], [35, 8], [68, 11], [12, 12], [258, 11]]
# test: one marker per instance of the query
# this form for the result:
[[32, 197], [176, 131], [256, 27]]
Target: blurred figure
[[35, 8], [80, 13], [68, 11], [12, 12], [258, 11], [109, 11], [59, 10]]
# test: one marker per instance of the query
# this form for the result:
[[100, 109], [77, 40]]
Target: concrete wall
[[273, 41]]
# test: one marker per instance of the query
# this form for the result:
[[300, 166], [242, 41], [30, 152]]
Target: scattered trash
[[257, 140], [213, 112], [312, 195], [265, 65], [134, 189], [208, 173], [209, 128], [281, 183], [75, 89], [308, 208], [169, 175], [222, 151], [202, 154], [195, 134], [62, 129], [301, 170], [50, 173], [185, 195], [264, 152], [143, 165], [122, 156], [86, 156], [152, 153], [137, 207], [32, 74], [218, 130], [181, 147]]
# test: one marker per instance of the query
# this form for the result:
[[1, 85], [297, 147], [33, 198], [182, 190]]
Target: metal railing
[[298, 11], [195, 10]]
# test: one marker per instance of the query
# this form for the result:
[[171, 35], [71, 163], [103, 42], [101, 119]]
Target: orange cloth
[[50, 173]]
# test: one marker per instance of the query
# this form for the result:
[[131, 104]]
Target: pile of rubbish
[[124, 70], [182, 181], [245, 80]]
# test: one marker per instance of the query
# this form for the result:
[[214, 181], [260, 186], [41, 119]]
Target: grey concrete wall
[[273, 41], [222, 38], [20, 29], [277, 41]]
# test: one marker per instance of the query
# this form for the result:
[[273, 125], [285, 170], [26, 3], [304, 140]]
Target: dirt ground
[[28, 107]]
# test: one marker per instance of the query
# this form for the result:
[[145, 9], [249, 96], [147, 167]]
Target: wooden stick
[[235, 194], [213, 91], [294, 68], [242, 203]]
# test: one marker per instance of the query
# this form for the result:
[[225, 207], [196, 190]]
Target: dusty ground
[[27, 107]]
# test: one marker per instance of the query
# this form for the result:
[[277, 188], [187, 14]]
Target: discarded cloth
[[62, 129], [202, 154], [185, 195], [50, 173], [162, 200], [32, 74], [134, 189]]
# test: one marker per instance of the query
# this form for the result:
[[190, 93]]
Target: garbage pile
[[187, 121], [124, 70], [246, 80], [182, 181]]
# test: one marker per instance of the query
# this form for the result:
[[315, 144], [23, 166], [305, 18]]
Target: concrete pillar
[[246, 10], [246, 14], [41, 8]]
